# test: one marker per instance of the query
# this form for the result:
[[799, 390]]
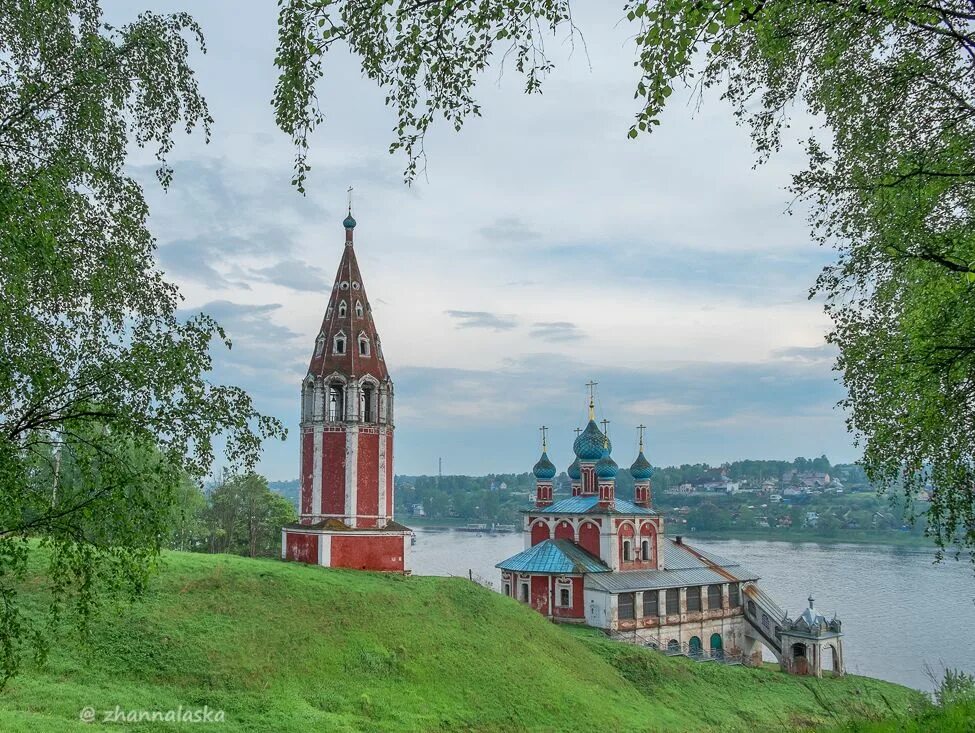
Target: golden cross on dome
[[544, 431], [641, 428]]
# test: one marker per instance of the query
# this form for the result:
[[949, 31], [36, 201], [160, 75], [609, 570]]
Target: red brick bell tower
[[346, 439]]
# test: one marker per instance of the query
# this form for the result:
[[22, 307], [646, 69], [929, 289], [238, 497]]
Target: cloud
[[555, 331], [508, 229], [657, 407], [483, 319], [822, 354], [296, 275]]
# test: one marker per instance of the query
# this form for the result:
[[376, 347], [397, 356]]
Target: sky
[[540, 249]]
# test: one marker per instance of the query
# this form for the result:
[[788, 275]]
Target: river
[[901, 613]]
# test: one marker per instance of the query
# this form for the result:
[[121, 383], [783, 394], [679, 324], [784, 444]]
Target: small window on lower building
[[524, 592], [714, 596], [694, 598], [564, 598], [506, 589], [673, 601], [650, 598], [734, 595], [626, 604]]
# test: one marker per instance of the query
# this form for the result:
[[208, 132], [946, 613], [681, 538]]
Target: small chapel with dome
[[599, 559]]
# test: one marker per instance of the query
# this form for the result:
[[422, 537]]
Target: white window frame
[[340, 336], [343, 308]]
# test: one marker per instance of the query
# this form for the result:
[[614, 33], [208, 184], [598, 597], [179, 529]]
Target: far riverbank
[[890, 538]]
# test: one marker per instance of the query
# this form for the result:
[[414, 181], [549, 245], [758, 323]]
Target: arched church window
[[343, 309], [368, 403], [339, 345], [308, 404], [363, 346], [319, 346], [358, 309], [694, 598], [627, 554], [336, 401], [645, 550]]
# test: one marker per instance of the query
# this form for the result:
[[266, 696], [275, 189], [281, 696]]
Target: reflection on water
[[900, 611]]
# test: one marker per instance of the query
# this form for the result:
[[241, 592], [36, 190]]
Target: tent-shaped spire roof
[[347, 322]]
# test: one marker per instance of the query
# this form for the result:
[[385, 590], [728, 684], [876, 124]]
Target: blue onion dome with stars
[[575, 473], [591, 444], [606, 467], [544, 469], [641, 470]]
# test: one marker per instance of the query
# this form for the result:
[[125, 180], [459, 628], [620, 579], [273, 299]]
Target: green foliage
[[243, 516], [290, 647], [891, 182], [105, 405]]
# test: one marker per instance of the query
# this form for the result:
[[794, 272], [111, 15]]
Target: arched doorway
[[673, 646], [695, 646], [800, 664], [828, 659], [717, 648]]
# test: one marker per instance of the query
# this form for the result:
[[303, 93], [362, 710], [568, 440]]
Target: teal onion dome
[[591, 444], [641, 470], [575, 473], [606, 467], [544, 469], [349, 222]]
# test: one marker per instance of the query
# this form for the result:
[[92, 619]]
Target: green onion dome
[[349, 222], [575, 473], [606, 467], [544, 469], [591, 444], [641, 470]]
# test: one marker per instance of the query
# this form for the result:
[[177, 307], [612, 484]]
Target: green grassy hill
[[287, 647]]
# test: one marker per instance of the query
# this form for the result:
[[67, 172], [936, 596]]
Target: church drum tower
[[346, 439]]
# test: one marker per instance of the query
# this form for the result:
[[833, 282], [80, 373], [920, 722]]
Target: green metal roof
[[589, 505], [554, 557]]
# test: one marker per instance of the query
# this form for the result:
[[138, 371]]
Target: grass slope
[[288, 647]]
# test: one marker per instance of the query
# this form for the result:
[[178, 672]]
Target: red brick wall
[[539, 593], [367, 472], [307, 469], [564, 531], [333, 473], [302, 548], [368, 553], [589, 538], [539, 533], [577, 609]]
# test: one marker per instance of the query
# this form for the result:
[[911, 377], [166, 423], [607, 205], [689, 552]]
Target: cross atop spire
[[605, 423], [641, 428], [544, 431], [349, 222], [592, 398], [578, 430]]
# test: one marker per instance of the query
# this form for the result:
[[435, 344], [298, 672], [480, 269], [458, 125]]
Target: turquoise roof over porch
[[554, 557]]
